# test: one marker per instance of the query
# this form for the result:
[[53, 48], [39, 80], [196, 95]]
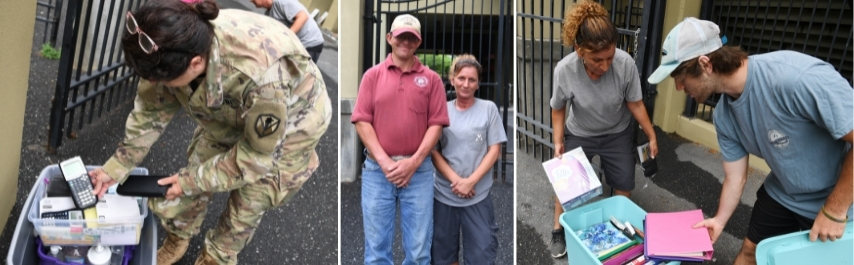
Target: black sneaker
[[558, 246]]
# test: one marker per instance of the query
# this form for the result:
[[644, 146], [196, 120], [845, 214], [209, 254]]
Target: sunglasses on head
[[147, 44]]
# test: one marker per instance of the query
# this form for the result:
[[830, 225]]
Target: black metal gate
[[92, 75], [822, 29], [539, 49], [453, 27], [49, 12]]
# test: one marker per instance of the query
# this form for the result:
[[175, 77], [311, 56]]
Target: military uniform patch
[[266, 124]]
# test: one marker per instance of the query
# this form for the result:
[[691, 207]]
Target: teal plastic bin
[[597, 212], [23, 246], [796, 248]]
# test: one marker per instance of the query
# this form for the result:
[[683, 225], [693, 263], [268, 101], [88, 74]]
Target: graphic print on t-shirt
[[421, 81], [778, 139]]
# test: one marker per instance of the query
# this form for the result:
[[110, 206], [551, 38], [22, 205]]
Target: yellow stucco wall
[[17, 19], [331, 6], [331, 22], [352, 28], [669, 103]]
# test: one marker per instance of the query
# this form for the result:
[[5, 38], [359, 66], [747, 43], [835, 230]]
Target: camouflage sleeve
[[256, 155], [154, 107]]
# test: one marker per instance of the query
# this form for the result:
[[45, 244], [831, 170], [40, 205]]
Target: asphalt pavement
[[689, 177], [304, 231]]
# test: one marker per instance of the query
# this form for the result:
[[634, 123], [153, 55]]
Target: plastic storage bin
[[796, 248], [124, 231], [23, 248], [593, 213]]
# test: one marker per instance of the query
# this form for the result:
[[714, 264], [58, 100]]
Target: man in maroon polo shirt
[[399, 114]]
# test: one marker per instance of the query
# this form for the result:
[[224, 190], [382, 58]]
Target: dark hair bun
[[207, 9]]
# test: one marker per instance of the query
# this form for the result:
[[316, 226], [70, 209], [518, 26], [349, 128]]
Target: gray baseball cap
[[689, 39]]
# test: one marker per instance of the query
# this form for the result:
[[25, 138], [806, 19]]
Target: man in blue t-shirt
[[793, 110]]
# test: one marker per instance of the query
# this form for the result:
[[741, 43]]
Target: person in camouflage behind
[[260, 103]]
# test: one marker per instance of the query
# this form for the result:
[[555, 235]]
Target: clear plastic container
[[117, 232]]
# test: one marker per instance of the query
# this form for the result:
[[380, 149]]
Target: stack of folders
[[611, 245], [670, 236]]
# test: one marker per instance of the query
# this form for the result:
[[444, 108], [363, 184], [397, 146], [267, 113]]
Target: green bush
[[440, 63], [50, 53]]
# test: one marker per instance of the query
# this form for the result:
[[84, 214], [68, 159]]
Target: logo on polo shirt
[[421, 81], [778, 139]]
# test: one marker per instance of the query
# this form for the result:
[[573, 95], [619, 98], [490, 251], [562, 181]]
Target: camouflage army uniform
[[261, 108]]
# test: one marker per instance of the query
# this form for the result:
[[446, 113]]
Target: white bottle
[[56, 253], [99, 255]]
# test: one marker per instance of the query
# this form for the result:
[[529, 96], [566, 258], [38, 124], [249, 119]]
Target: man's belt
[[394, 158]]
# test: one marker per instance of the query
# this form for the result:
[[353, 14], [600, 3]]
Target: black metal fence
[[92, 76], [49, 12], [822, 29], [539, 49], [449, 28]]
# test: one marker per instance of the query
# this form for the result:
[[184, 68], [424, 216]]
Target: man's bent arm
[[299, 21], [428, 142], [369, 139], [842, 196]]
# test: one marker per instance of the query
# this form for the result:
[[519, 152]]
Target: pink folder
[[670, 236]]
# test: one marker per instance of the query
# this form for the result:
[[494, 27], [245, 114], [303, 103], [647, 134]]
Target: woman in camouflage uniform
[[261, 108]]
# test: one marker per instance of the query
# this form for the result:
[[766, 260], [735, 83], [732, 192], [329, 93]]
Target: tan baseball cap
[[406, 23]]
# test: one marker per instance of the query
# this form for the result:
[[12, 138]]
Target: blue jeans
[[379, 207]]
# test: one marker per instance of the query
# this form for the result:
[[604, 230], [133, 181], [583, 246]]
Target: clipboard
[[143, 186]]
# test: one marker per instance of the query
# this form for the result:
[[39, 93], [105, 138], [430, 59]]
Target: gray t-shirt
[[596, 107], [286, 10], [464, 144], [793, 111]]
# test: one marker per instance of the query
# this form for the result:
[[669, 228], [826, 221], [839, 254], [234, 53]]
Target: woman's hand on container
[[101, 182]]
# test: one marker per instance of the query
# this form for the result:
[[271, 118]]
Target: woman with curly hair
[[601, 86]]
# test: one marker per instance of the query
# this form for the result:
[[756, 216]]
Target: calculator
[[77, 176], [63, 215]]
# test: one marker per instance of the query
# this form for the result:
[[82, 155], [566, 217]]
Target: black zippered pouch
[[143, 186]]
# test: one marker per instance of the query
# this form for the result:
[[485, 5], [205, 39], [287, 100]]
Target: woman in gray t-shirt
[[600, 84], [467, 151]]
